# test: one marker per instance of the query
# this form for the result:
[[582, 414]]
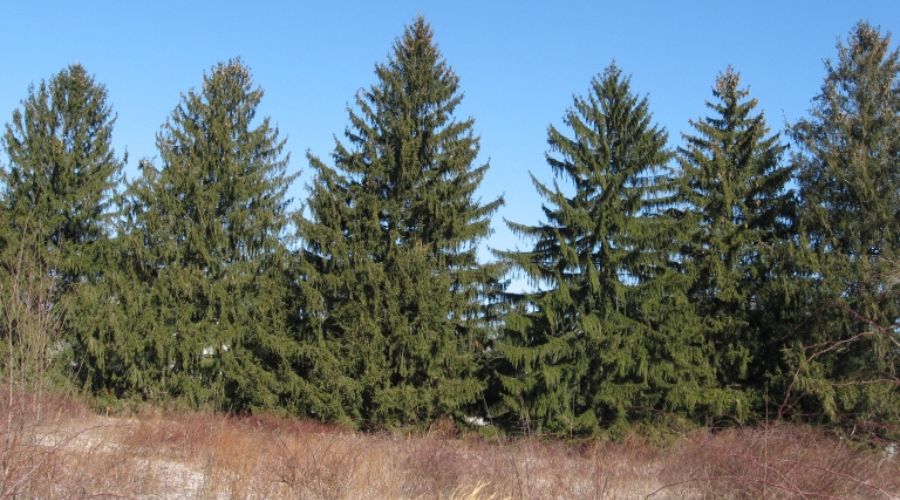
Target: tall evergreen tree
[[199, 304], [736, 201], [610, 336], [58, 188], [62, 171], [850, 187], [391, 296]]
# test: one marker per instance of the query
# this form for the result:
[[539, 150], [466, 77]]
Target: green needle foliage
[[201, 296], [393, 305], [740, 214], [57, 193], [710, 293], [62, 172], [610, 337], [850, 185]]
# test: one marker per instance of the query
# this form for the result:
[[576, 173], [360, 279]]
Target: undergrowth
[[58, 447]]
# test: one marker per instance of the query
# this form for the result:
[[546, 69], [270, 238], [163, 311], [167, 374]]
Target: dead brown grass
[[70, 452], [780, 461]]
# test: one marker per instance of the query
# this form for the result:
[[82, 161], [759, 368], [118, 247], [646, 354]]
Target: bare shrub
[[779, 461], [30, 317], [29, 330]]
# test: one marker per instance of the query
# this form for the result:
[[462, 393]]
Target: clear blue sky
[[520, 63]]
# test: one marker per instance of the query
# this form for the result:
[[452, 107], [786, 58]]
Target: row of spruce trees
[[726, 280]]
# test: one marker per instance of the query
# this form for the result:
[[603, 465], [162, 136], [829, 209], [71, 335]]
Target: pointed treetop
[[415, 77], [868, 51], [866, 39], [727, 83]]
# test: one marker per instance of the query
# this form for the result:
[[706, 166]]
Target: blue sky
[[520, 63]]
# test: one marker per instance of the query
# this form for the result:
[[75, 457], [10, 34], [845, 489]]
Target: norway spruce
[[739, 214], [609, 335], [200, 296], [58, 187], [850, 187], [60, 180], [391, 296]]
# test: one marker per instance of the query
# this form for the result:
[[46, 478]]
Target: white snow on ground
[[101, 436]]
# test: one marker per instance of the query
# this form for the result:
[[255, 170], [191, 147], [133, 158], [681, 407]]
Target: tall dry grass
[[72, 452]]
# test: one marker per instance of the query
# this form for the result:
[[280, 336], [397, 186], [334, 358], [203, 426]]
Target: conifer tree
[[391, 296], [201, 296], [60, 180], [58, 188], [609, 337], [850, 187], [740, 212]]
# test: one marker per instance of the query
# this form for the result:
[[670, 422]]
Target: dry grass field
[[55, 447]]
